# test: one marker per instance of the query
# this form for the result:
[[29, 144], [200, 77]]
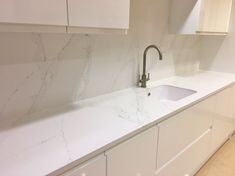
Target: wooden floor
[[222, 163]]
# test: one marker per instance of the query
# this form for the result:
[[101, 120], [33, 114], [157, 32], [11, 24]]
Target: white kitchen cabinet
[[222, 105], [88, 15], [223, 121], [94, 167], [33, 16], [14, 13], [182, 129], [206, 17], [232, 106], [215, 16], [72, 16], [187, 162], [135, 157]]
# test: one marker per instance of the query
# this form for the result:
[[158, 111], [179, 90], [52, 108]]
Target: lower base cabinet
[[181, 130], [135, 157], [223, 117], [94, 167], [187, 162], [220, 133]]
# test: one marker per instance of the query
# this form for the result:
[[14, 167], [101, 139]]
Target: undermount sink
[[170, 93]]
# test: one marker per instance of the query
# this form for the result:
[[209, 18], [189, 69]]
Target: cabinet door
[[94, 167], [223, 123], [99, 13], [189, 161], [182, 129], [232, 106], [135, 157], [43, 12], [215, 16]]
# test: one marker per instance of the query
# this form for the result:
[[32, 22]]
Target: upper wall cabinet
[[82, 16], [205, 17], [98, 14], [20, 14]]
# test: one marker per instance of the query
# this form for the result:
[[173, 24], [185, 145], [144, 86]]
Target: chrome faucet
[[144, 78]]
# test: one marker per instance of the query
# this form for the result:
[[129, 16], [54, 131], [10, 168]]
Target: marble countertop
[[62, 138]]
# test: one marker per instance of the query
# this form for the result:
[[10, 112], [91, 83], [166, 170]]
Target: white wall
[[46, 70], [218, 53]]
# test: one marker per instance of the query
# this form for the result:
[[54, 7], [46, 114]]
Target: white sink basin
[[170, 93]]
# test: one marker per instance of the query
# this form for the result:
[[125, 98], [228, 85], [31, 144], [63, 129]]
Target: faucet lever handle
[[148, 78]]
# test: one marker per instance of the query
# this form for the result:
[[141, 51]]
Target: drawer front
[[190, 160], [232, 102], [220, 133], [182, 129], [94, 167], [135, 157], [224, 111], [223, 120]]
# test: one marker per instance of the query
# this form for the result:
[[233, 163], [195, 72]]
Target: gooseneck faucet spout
[[144, 78]]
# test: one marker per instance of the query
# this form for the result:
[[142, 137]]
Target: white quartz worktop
[[70, 135]]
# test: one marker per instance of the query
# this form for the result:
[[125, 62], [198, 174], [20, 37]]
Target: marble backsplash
[[39, 71]]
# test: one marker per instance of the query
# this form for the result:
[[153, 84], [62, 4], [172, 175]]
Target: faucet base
[[144, 80]]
